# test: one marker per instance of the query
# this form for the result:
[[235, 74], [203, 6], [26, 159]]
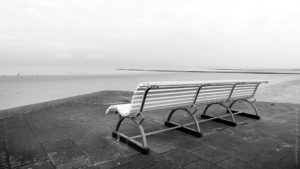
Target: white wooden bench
[[184, 96]]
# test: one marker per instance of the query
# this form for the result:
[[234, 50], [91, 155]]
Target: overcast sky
[[44, 36]]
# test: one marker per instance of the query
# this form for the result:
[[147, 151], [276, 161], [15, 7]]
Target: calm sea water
[[23, 90]]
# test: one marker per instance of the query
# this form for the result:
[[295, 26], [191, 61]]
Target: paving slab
[[164, 148], [79, 163], [24, 149], [212, 155], [240, 153], [234, 163], [190, 145], [216, 141], [164, 165], [115, 162], [38, 165], [180, 157], [59, 157], [201, 163], [141, 161]]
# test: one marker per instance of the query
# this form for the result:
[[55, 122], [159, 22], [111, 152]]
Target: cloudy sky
[[44, 36]]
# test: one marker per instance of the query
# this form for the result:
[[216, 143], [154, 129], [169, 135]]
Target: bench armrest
[[111, 109], [122, 109]]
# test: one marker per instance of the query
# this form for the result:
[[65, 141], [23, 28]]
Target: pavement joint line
[[297, 137], [268, 118], [193, 160], [112, 159], [34, 135], [22, 165], [161, 155], [5, 144], [170, 151], [216, 163], [86, 156], [215, 131]]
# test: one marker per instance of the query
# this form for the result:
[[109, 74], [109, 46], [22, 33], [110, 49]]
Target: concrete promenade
[[76, 133]]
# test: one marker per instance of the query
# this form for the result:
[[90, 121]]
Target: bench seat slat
[[169, 100], [167, 89], [185, 88], [246, 89], [243, 91], [241, 95], [150, 99], [214, 90], [211, 100], [246, 86], [174, 101], [213, 93], [164, 106], [213, 97], [237, 92], [216, 87], [150, 95], [158, 106]]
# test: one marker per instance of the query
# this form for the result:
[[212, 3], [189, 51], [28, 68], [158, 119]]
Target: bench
[[185, 96]]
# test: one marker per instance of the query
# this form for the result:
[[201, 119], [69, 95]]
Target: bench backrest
[[216, 92], [244, 90], [161, 97], [154, 96]]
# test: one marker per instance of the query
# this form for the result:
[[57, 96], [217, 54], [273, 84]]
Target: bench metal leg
[[255, 116], [184, 128], [142, 147], [221, 120]]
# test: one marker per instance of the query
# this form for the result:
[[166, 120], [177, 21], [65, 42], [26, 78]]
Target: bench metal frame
[[138, 119], [228, 106]]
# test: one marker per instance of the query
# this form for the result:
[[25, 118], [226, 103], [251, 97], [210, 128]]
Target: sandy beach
[[281, 90]]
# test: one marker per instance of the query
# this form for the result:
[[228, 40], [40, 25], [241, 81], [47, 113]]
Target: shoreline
[[252, 71], [120, 71]]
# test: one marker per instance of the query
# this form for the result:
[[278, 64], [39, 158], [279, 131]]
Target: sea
[[21, 90]]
